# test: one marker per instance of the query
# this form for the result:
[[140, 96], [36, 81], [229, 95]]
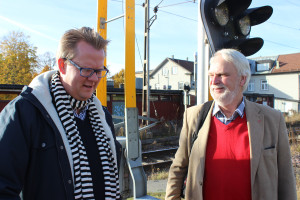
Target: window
[[180, 85], [251, 86], [262, 67], [165, 98], [153, 98], [164, 87], [264, 85], [117, 97], [169, 87], [165, 72], [174, 70]]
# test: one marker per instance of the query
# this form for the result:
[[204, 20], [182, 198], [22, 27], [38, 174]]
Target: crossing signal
[[227, 24]]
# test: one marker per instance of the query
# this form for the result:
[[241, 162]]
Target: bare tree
[[46, 61]]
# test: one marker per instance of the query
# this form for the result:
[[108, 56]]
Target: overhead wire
[[189, 1], [160, 2], [137, 44], [293, 3], [163, 10], [284, 45], [176, 4], [179, 16], [297, 29], [197, 20]]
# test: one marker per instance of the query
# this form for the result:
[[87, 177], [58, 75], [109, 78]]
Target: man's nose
[[214, 79], [94, 77]]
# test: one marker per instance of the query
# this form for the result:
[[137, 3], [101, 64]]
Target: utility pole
[[195, 74], [146, 89], [146, 85]]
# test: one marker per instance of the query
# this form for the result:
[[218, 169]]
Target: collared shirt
[[217, 112], [82, 114]]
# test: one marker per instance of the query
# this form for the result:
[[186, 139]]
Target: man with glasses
[[56, 139]]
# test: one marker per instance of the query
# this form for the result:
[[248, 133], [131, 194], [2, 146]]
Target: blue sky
[[173, 33]]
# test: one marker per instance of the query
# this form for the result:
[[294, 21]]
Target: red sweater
[[227, 164]]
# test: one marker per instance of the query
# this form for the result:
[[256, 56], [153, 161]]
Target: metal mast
[[146, 89]]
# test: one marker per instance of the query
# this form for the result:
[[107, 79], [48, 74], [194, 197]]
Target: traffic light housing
[[227, 24]]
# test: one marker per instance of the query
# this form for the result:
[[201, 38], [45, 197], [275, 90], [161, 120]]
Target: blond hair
[[68, 44]]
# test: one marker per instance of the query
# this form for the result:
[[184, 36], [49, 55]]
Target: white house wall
[[285, 106], [284, 87], [171, 79], [281, 85]]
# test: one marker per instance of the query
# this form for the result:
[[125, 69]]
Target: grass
[[295, 151], [158, 195], [293, 119], [159, 175]]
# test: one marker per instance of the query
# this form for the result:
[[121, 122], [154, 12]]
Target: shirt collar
[[82, 114], [239, 110]]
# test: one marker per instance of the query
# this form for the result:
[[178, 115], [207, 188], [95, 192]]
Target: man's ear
[[243, 80], [61, 66]]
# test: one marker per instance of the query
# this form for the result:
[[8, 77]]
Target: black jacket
[[32, 153]]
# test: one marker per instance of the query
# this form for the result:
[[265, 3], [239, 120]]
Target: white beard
[[227, 97]]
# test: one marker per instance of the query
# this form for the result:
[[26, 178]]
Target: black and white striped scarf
[[65, 104]]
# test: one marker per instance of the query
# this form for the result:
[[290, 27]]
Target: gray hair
[[68, 44], [238, 60]]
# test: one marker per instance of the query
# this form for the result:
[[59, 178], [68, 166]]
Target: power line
[[176, 4], [137, 44], [179, 15], [163, 11], [293, 3], [160, 2], [284, 26], [282, 44]]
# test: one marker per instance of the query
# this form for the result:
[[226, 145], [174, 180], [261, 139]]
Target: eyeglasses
[[88, 72]]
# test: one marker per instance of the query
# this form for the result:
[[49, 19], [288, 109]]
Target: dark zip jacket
[[33, 157]]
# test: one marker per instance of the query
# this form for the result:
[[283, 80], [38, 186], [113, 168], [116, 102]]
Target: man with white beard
[[241, 151]]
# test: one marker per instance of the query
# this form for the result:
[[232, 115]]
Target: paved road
[[156, 186]]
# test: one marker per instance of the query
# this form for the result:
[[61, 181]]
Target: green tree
[[18, 59], [119, 78]]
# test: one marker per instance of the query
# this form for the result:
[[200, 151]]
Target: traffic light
[[227, 24]]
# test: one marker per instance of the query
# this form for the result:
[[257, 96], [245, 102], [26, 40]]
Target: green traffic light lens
[[222, 14], [244, 25]]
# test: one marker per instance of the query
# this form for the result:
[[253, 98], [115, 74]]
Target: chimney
[[172, 56], [187, 58], [277, 64]]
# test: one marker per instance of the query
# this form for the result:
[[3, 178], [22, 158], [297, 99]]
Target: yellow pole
[[130, 92], [101, 91]]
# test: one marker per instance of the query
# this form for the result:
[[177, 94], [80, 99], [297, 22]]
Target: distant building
[[172, 74], [275, 82]]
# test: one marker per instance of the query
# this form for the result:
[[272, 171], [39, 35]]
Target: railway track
[[159, 158]]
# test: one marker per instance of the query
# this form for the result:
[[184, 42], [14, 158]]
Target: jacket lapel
[[255, 123]]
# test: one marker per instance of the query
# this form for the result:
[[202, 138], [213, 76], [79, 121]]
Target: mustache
[[219, 86]]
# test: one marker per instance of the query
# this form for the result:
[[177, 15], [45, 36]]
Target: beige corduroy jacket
[[272, 175]]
